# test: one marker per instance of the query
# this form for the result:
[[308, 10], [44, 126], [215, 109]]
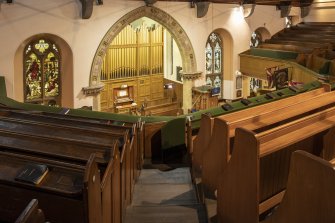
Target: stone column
[[95, 92], [188, 83]]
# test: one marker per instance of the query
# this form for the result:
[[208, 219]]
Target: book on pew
[[246, 102], [32, 173], [227, 107], [269, 96], [280, 94]]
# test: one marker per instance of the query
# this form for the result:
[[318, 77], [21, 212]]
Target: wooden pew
[[256, 175], [31, 214], [219, 150], [310, 194], [63, 147], [202, 142], [68, 193], [88, 131], [134, 157]]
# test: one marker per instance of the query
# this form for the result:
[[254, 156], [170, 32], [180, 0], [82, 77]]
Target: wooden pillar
[[188, 83]]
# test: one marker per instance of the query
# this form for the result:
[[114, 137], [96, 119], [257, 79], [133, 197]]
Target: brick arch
[[176, 30]]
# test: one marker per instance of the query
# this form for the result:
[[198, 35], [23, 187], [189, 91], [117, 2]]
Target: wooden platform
[[165, 197]]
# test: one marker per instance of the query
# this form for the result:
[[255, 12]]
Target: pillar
[[188, 83], [94, 91]]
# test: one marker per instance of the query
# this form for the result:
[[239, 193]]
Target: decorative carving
[[86, 9], [248, 9], [150, 2], [285, 10], [202, 9], [93, 90], [191, 76], [304, 10]]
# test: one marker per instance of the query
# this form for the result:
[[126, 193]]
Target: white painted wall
[[25, 18], [172, 57]]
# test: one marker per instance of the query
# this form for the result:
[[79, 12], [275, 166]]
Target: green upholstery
[[255, 101], [173, 132], [3, 91], [325, 68], [276, 54]]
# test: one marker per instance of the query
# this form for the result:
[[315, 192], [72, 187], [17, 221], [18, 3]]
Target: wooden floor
[[165, 197]]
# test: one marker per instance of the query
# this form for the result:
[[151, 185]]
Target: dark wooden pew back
[[68, 192]]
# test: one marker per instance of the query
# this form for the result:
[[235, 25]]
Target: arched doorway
[[178, 33]]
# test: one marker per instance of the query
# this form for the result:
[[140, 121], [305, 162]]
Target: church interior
[[145, 111]]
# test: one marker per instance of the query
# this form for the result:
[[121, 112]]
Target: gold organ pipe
[[108, 63], [112, 67], [114, 62]]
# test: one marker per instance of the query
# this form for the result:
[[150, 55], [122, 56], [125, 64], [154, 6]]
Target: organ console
[[124, 102]]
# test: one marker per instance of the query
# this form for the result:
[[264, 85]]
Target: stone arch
[[66, 68], [176, 30]]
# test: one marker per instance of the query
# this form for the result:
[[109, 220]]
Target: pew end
[[310, 193], [31, 214]]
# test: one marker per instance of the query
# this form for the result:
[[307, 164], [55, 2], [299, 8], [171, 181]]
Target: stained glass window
[[209, 57], [217, 58], [42, 73], [214, 61], [256, 39]]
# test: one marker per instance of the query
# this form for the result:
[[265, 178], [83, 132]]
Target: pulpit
[[204, 97]]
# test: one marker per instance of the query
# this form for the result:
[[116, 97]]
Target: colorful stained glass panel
[[209, 59], [51, 76], [217, 54], [33, 77]]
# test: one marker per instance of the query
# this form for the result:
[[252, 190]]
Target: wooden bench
[[310, 194], [31, 214], [256, 176], [89, 131], [28, 138], [136, 137], [201, 142], [220, 147], [68, 193]]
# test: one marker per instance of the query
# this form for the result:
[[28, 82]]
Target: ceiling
[[294, 3]]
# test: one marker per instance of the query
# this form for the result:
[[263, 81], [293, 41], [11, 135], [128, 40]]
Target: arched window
[[42, 73], [256, 39], [214, 59]]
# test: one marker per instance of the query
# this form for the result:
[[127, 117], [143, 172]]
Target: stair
[[165, 197]]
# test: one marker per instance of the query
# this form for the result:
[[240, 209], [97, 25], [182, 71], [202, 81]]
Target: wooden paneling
[[143, 89], [157, 90]]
